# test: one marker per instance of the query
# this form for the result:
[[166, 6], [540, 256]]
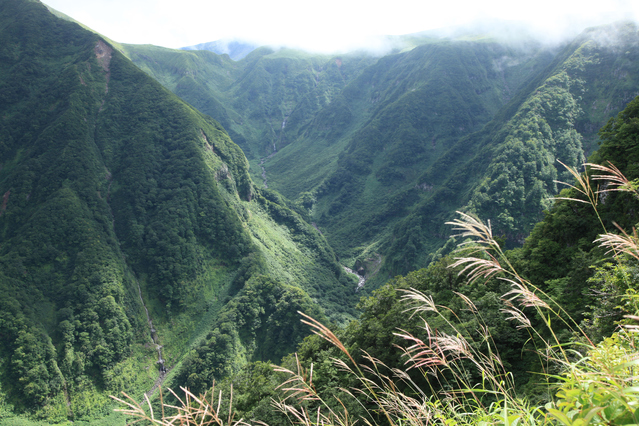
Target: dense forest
[[179, 218]]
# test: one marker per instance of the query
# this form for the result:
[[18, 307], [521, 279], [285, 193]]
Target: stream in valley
[[360, 279], [156, 342]]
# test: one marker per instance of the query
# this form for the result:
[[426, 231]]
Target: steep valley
[[380, 152], [167, 213]]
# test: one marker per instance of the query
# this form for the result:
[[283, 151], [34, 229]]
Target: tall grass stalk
[[191, 411], [584, 187]]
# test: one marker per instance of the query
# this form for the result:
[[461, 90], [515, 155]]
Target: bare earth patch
[[103, 53]]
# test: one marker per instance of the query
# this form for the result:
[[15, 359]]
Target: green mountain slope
[[123, 205], [506, 171], [346, 136], [407, 110], [393, 187], [259, 100], [470, 123]]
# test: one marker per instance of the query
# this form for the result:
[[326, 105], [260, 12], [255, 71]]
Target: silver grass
[[624, 243], [419, 302]]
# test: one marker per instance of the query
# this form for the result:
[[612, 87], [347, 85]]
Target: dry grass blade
[[524, 295], [568, 198], [456, 345], [625, 243], [230, 405], [468, 302], [325, 333], [422, 354], [517, 315], [632, 328], [191, 410], [478, 268], [341, 365], [134, 409], [615, 178], [300, 415], [470, 226], [613, 174], [298, 385], [482, 242], [418, 300], [146, 397], [583, 188]]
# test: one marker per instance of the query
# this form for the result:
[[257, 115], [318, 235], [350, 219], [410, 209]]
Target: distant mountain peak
[[236, 49]]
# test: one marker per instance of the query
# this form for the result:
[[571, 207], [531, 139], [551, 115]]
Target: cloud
[[325, 25]]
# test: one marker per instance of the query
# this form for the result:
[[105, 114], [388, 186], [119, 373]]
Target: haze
[[326, 26]]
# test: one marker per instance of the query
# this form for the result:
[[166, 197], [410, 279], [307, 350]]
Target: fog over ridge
[[330, 26]]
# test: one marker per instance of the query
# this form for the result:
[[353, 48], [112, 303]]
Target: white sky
[[322, 25]]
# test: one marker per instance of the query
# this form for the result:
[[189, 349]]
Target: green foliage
[[404, 129], [114, 193], [600, 388], [619, 140], [347, 118], [609, 287], [468, 380], [261, 323], [577, 381], [260, 100], [381, 150]]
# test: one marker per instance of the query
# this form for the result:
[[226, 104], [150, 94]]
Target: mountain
[[511, 164], [130, 229], [382, 158], [400, 116], [347, 136], [260, 99], [236, 49]]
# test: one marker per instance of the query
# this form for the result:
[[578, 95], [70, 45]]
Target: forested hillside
[[260, 100], [506, 172], [129, 226], [382, 151]]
